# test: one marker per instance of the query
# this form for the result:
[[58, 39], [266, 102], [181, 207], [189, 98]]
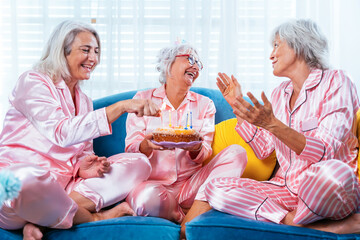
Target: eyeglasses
[[192, 60]]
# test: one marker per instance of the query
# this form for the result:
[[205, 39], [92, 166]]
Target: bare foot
[[198, 207], [123, 209], [288, 219], [32, 232], [347, 225]]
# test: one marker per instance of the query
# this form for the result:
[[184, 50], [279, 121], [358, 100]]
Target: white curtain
[[232, 36]]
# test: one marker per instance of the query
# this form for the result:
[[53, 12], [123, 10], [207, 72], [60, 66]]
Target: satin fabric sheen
[[176, 179], [43, 142], [320, 182]]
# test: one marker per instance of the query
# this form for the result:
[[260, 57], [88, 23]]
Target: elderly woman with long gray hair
[[47, 137]]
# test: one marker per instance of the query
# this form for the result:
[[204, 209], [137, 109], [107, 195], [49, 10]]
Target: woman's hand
[[258, 115], [93, 166], [141, 107], [229, 87], [146, 146], [194, 148], [263, 116]]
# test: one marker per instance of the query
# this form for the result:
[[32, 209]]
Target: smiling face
[[283, 57], [182, 72], [83, 57]]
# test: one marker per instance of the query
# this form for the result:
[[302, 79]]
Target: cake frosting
[[175, 134]]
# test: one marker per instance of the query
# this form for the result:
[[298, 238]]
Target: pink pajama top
[[169, 166], [42, 128], [325, 113]]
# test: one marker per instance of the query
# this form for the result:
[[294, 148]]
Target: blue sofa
[[210, 225]]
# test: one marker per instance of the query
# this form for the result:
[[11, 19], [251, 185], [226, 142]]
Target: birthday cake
[[175, 134]]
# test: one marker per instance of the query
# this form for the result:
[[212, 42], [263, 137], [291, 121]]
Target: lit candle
[[178, 118], [170, 118], [190, 120], [163, 106], [187, 121]]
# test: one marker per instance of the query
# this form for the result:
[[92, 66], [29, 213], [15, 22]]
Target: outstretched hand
[[143, 107], [93, 166], [229, 87], [258, 115]]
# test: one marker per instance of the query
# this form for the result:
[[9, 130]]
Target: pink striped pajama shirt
[[321, 182]]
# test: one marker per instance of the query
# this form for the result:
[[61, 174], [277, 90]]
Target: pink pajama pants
[[329, 190], [43, 201], [152, 198]]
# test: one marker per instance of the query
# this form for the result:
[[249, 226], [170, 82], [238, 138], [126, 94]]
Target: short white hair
[[53, 60], [167, 55], [307, 40]]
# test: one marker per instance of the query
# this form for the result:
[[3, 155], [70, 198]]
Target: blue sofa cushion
[[147, 228], [10, 235], [218, 225]]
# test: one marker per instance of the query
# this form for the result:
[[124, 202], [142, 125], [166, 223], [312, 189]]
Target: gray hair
[[167, 55], [53, 60], [308, 42]]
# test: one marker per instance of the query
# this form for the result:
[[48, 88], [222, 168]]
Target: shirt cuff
[[103, 123], [246, 131], [314, 149]]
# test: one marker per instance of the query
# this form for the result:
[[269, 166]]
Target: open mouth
[[191, 74], [87, 67]]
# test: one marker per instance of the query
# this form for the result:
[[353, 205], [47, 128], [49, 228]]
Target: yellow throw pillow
[[358, 135], [225, 135]]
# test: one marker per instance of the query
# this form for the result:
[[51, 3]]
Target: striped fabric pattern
[[324, 112], [321, 182]]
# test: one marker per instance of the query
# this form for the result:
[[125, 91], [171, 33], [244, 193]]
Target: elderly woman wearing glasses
[[177, 176]]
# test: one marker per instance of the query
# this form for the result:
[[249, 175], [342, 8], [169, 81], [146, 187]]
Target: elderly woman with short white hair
[[177, 174], [309, 122]]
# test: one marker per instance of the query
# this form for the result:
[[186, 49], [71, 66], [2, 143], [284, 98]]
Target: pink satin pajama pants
[[329, 189], [43, 201], [152, 198]]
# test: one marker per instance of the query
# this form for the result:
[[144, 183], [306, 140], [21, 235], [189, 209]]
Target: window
[[232, 36]]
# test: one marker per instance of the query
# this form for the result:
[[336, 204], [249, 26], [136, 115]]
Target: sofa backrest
[[115, 143]]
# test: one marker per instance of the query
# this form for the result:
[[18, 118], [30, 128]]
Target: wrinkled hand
[[93, 166], [146, 146], [143, 107], [194, 148], [258, 115], [229, 87]]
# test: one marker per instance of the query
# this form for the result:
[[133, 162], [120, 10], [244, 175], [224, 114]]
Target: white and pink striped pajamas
[[319, 183]]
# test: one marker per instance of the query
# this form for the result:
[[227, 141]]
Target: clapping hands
[[256, 113], [229, 87]]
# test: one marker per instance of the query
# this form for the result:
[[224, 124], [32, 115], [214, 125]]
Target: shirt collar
[[60, 84], [160, 93], [312, 80]]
